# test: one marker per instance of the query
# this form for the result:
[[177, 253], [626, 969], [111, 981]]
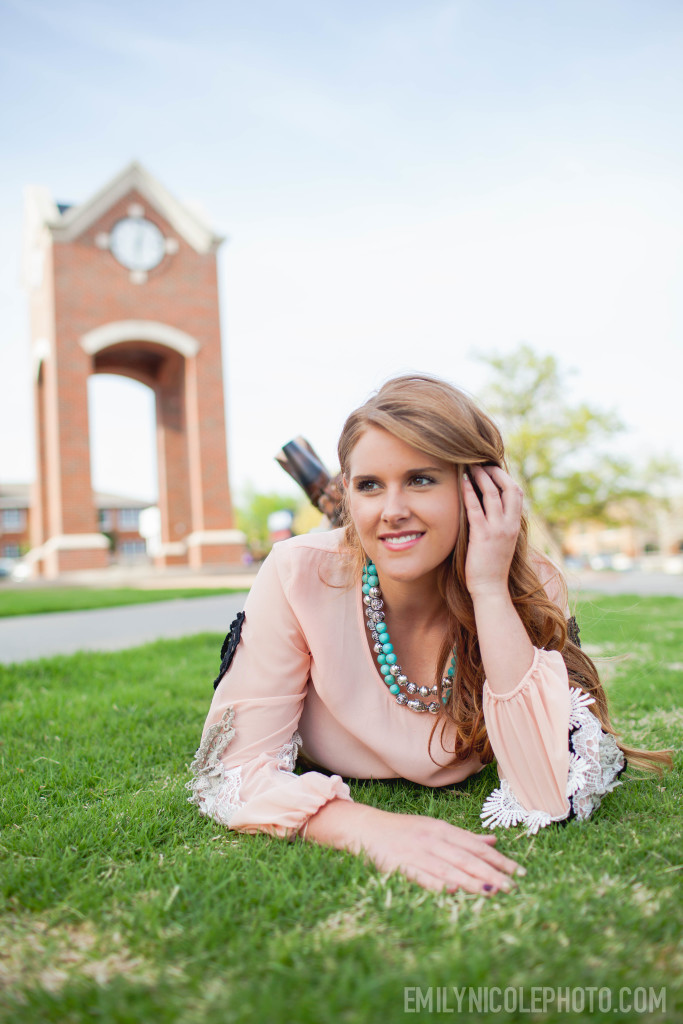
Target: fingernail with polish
[[486, 887], [520, 870]]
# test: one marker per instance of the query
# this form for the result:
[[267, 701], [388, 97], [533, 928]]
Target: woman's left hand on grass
[[493, 529]]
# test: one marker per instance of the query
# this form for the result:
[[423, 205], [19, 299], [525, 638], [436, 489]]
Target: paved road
[[27, 637]]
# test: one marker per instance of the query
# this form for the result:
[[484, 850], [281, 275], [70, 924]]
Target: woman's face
[[405, 506]]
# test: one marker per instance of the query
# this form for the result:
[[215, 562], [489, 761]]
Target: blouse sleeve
[[243, 770], [554, 760]]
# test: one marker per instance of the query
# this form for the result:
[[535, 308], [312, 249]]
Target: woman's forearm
[[506, 651]]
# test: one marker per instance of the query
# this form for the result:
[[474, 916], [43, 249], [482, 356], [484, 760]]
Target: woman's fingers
[[491, 492], [443, 868], [437, 881], [502, 499], [439, 877], [484, 850], [510, 493], [473, 505], [489, 504], [438, 855], [484, 854], [480, 871]]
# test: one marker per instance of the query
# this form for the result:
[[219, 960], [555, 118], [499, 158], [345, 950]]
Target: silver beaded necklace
[[398, 683]]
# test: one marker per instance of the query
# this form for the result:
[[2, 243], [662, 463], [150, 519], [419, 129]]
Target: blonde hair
[[444, 422]]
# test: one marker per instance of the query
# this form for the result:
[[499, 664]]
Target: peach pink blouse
[[303, 678]]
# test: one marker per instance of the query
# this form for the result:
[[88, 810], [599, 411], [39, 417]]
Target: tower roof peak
[[67, 221]]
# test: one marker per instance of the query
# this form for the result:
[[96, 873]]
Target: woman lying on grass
[[420, 642]]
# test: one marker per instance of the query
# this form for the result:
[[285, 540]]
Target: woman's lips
[[400, 541]]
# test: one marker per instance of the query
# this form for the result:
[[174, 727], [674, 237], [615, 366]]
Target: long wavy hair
[[441, 421]]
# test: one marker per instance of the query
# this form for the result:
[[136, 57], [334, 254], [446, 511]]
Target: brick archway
[[91, 314], [163, 358]]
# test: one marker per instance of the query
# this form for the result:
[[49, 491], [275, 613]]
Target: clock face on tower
[[137, 243]]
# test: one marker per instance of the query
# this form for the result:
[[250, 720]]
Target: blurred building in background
[[126, 283], [118, 519], [651, 542]]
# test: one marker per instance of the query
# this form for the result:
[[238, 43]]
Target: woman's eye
[[366, 485], [422, 481]]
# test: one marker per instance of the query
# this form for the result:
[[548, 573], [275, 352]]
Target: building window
[[129, 518], [133, 547], [13, 520], [11, 551], [105, 519]]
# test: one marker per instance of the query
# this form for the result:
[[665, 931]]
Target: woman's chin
[[402, 571]]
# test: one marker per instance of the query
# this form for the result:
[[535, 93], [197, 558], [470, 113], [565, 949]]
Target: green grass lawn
[[121, 904], [74, 599]]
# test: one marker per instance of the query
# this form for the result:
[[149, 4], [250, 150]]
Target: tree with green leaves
[[252, 516], [559, 451], [254, 509]]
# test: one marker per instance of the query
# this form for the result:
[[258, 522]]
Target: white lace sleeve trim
[[215, 789], [595, 763], [288, 753]]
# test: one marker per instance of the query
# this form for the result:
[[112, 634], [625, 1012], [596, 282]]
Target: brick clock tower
[[126, 283]]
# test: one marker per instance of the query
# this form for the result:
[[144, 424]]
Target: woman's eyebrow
[[408, 472]]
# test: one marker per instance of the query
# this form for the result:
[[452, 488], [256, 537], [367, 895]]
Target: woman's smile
[[401, 541]]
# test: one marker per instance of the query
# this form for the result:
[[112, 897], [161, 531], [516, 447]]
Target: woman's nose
[[395, 504]]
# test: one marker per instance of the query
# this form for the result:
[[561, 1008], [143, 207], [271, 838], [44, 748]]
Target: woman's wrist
[[490, 593], [339, 823]]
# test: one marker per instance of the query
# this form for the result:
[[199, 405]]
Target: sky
[[404, 186]]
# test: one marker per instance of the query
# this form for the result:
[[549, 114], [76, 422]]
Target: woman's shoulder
[[312, 556], [310, 545]]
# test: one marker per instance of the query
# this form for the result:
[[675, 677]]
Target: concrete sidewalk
[[27, 637], [646, 584]]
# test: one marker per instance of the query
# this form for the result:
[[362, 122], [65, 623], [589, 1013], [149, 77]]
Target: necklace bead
[[387, 660]]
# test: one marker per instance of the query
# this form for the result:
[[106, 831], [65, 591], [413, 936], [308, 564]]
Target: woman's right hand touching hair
[[429, 851]]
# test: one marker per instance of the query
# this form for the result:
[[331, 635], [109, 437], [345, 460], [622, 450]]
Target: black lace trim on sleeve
[[573, 631], [229, 646]]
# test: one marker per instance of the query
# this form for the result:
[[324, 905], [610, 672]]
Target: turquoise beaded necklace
[[387, 660]]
